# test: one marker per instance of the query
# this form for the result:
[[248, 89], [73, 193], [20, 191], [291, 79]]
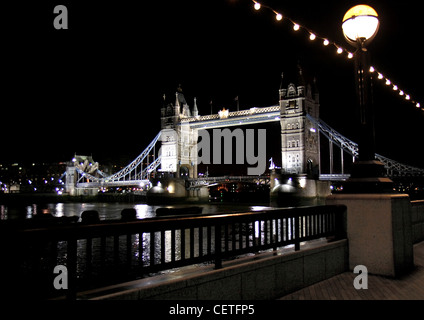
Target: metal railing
[[110, 252], [334, 176]]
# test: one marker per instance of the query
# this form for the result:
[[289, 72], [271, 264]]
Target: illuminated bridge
[[301, 134]]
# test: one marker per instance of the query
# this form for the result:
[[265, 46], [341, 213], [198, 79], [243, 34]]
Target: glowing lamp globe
[[360, 23]]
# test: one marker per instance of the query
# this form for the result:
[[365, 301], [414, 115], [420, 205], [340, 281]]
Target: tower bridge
[[178, 154], [300, 149]]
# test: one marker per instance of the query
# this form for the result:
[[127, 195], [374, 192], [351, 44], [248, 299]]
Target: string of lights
[[340, 50]]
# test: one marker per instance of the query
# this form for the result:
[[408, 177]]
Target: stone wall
[[265, 278], [417, 220]]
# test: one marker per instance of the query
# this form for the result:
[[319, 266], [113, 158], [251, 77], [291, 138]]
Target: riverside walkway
[[340, 287]]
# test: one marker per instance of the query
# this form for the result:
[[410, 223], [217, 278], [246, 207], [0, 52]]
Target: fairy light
[[339, 49], [278, 16], [395, 87]]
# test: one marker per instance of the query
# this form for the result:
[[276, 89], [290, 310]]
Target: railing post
[[297, 233], [218, 257], [274, 237]]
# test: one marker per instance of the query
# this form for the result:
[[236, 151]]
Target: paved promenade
[[340, 287]]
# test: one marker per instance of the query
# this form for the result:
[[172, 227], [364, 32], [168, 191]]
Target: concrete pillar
[[379, 231]]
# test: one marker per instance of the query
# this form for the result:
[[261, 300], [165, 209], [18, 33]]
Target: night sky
[[97, 87]]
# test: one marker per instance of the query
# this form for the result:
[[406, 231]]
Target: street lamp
[[360, 25]]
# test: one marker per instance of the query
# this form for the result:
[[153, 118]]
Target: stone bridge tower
[[179, 141], [300, 143]]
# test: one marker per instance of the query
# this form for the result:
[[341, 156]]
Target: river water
[[108, 210]]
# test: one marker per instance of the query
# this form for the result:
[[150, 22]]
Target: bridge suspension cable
[[393, 167], [134, 173], [126, 172]]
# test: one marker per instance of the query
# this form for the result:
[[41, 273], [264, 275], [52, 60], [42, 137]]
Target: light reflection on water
[[107, 211]]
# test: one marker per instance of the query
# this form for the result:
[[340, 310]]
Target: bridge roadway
[[102, 183], [203, 181], [208, 181]]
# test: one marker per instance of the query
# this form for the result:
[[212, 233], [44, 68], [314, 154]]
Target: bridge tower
[[71, 179], [300, 143], [179, 141]]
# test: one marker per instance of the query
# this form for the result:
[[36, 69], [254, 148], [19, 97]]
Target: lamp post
[[360, 25]]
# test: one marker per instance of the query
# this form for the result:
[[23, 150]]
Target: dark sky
[[97, 87]]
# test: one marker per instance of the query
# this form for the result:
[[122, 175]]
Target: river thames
[[109, 210]]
